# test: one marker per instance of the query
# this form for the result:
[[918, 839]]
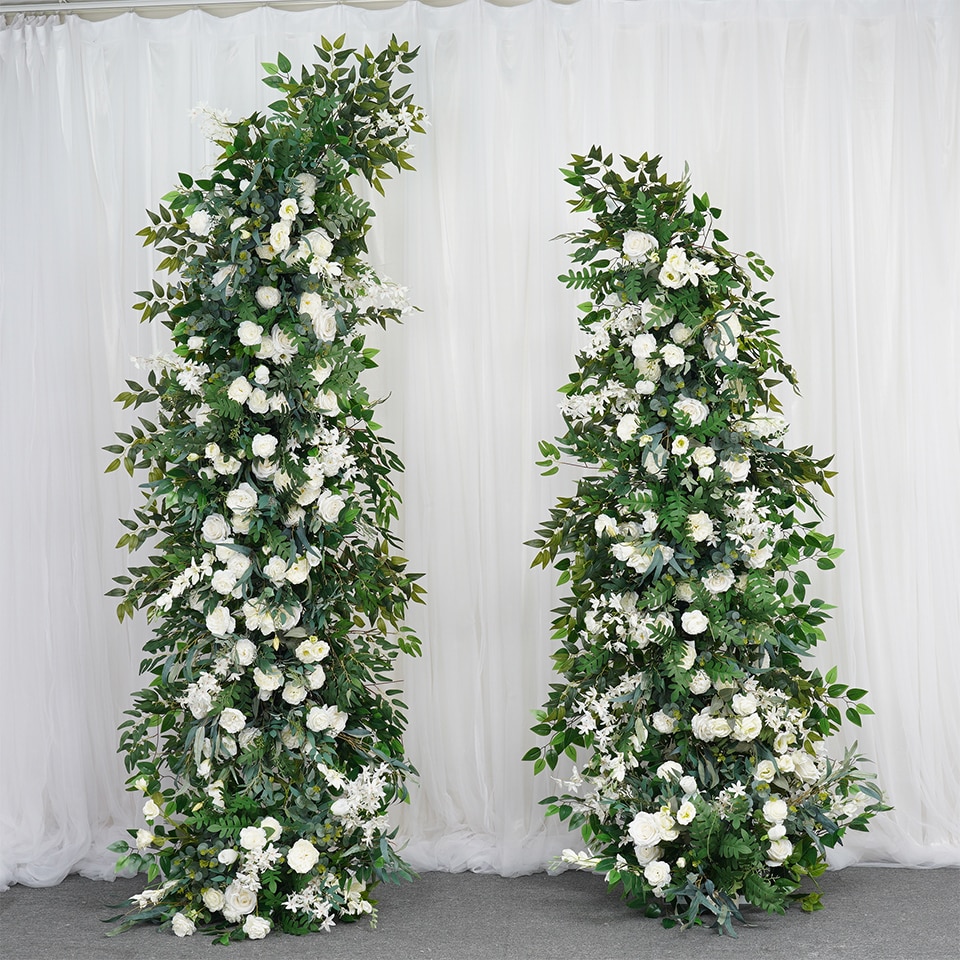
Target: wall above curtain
[[828, 134]]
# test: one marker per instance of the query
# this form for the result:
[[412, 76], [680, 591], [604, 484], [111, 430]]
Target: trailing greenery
[[268, 743], [697, 731]]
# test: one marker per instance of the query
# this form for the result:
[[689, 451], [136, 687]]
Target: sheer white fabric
[[828, 133]]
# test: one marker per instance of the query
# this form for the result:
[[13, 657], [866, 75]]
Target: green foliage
[[267, 739], [699, 737]]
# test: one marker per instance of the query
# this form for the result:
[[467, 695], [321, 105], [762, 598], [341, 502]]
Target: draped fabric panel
[[828, 134]]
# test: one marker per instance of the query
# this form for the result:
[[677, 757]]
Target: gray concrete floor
[[870, 913]]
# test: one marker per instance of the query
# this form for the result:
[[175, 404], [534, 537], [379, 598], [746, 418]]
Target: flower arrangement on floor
[[706, 777], [268, 742]]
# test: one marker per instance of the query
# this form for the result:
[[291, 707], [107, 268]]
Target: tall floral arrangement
[[699, 733], [268, 743]]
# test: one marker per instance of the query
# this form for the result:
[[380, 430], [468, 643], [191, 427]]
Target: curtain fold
[[828, 134]]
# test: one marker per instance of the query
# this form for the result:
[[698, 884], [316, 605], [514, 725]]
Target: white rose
[[246, 651], [720, 727], [718, 580], [258, 402], [672, 355], [700, 683], [644, 830], [779, 851], [238, 901], [695, 410], [268, 680], [684, 591], [250, 333], [299, 570], [775, 810], [306, 185], [200, 223], [329, 507], [319, 242], [276, 569], [228, 856], [253, 838], [657, 873], [243, 499], [670, 770], [263, 446], [747, 728], [237, 563], [266, 348], [704, 455], [280, 238], [686, 813], [220, 621], [144, 838], [646, 854], [663, 723], [272, 828], [758, 557], [182, 925], [680, 333], [215, 529], [327, 404], [239, 390], [268, 297], [680, 445], [293, 694], [744, 704], [302, 856], [310, 303], [627, 427], [700, 526], [737, 468], [643, 346], [765, 771], [325, 324], [232, 720], [289, 209], [256, 928], [262, 374], [150, 809], [212, 899], [637, 245], [316, 678], [223, 581], [783, 742], [804, 767], [694, 621], [689, 785], [776, 832]]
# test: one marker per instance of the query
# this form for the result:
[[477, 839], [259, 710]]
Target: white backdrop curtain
[[827, 131]]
